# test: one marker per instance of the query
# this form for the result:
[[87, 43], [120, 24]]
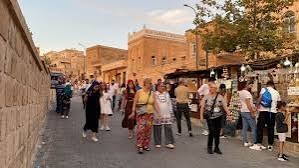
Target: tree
[[255, 28]]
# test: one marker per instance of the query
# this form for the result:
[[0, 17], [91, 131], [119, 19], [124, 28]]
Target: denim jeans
[[248, 121]]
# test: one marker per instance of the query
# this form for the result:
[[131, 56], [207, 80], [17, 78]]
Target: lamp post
[[196, 35], [85, 55]]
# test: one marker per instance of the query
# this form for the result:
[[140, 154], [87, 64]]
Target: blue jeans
[[248, 120]]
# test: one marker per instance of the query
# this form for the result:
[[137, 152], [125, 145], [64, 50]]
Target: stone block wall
[[24, 89]]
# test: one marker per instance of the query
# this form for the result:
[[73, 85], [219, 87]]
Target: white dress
[[106, 104]]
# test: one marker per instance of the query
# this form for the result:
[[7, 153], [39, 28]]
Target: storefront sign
[[293, 91]]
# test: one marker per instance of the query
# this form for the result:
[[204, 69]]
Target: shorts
[[281, 137]]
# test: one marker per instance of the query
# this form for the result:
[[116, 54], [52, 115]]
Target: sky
[[61, 24]]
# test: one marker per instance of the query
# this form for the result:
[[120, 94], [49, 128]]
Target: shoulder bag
[[209, 114]]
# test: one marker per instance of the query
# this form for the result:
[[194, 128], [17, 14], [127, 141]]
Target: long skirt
[[127, 122], [144, 130]]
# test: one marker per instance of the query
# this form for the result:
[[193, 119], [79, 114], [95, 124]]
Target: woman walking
[[144, 106], [92, 110], [248, 114], [106, 109], [213, 108], [127, 105], [66, 101], [164, 118]]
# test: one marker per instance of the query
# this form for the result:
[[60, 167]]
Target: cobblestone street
[[63, 147]]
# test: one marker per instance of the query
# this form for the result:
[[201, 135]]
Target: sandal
[[140, 150], [147, 149]]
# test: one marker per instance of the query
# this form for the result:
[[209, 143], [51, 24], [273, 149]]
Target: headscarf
[[93, 84]]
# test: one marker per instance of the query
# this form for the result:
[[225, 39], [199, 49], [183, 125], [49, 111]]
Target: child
[[282, 129]]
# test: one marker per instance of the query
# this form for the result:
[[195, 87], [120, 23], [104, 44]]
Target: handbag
[[208, 114], [141, 108]]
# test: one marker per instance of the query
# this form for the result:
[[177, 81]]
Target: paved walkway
[[64, 147]]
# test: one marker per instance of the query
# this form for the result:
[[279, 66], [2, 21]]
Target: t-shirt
[[204, 90], [244, 94], [218, 107], [275, 98], [113, 89], [181, 93]]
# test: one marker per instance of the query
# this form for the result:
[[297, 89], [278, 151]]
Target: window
[[289, 22], [174, 59], [193, 49], [154, 61], [163, 61]]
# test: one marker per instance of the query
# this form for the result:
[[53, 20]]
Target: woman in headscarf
[[144, 105], [92, 110], [127, 105], [66, 100]]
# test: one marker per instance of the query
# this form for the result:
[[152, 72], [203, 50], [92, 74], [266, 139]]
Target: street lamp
[[196, 35], [85, 55]]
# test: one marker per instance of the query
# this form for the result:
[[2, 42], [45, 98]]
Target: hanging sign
[[293, 91]]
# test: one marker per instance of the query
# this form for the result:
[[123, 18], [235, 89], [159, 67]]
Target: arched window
[[163, 61], [289, 20], [154, 61]]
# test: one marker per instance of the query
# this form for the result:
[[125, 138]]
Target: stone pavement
[[64, 147]]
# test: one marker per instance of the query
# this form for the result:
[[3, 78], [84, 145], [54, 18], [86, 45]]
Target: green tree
[[255, 28]]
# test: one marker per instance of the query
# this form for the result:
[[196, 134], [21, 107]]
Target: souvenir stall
[[286, 79], [194, 80]]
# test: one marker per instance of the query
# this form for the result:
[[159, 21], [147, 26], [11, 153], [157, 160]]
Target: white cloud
[[170, 17]]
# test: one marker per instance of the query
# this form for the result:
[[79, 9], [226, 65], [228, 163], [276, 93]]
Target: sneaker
[[190, 134], [282, 159], [255, 147], [223, 137], [107, 129], [67, 117], [102, 128], [178, 134], [170, 146], [285, 157], [262, 147], [140, 150], [158, 146], [270, 148], [84, 134], [95, 139], [205, 132], [247, 144], [62, 116]]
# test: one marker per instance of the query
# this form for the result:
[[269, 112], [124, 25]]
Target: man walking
[[267, 104], [59, 90], [181, 93]]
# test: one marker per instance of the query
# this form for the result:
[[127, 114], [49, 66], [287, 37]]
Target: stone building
[[68, 61], [107, 63], [154, 53]]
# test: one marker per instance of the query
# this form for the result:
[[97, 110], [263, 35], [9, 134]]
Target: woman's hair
[[281, 104], [128, 87], [147, 80]]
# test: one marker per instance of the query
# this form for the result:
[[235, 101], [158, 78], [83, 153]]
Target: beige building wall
[[152, 54], [99, 57]]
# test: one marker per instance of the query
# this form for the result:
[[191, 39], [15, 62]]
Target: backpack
[[266, 99]]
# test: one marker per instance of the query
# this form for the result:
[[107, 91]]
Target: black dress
[[92, 112]]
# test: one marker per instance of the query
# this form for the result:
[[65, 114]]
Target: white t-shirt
[[113, 89], [275, 98], [204, 90], [244, 94]]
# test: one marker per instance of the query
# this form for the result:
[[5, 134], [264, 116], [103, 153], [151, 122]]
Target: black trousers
[[183, 108], [266, 118], [59, 104], [214, 126]]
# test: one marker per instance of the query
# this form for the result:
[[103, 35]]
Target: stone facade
[[98, 57], [24, 93], [154, 53], [69, 61]]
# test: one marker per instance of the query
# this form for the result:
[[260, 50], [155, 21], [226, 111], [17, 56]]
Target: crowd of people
[[158, 106]]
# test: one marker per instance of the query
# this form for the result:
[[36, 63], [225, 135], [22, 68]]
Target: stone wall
[[24, 89]]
